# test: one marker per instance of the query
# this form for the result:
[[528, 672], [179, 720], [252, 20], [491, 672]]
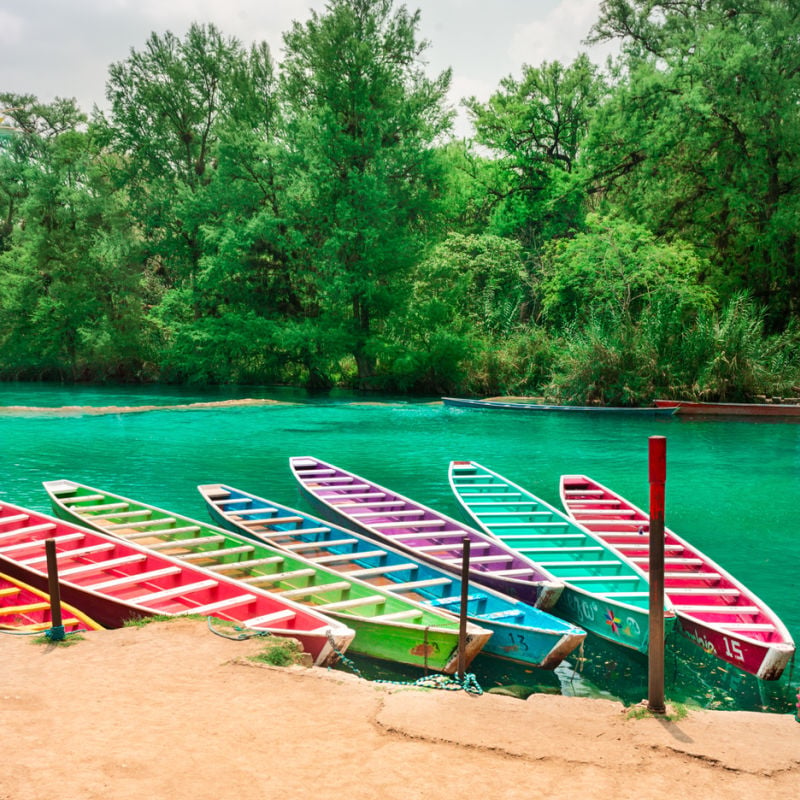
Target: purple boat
[[426, 534]]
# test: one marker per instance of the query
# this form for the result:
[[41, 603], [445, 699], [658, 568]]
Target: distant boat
[[387, 626], [714, 610], [688, 408], [424, 532], [24, 609], [512, 405], [604, 592], [115, 581], [520, 632]]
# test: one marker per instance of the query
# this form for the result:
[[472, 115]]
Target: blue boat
[[520, 632]]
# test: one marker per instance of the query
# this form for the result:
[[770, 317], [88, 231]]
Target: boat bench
[[175, 591], [221, 605], [317, 588], [332, 559], [99, 566], [409, 586], [356, 602], [140, 577], [267, 619]]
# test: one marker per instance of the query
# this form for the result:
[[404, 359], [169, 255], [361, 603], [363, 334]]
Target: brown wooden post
[[462, 628], [56, 623], [655, 646]]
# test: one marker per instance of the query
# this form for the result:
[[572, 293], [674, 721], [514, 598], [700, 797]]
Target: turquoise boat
[[386, 626], [604, 592], [520, 633]]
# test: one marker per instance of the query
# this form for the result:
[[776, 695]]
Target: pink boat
[[113, 581], [714, 610], [688, 408]]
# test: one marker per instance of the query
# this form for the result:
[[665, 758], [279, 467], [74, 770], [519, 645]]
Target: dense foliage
[[607, 235]]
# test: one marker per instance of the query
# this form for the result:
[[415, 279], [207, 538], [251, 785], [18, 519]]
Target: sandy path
[[170, 710]]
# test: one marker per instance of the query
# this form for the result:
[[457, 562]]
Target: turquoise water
[[732, 488]]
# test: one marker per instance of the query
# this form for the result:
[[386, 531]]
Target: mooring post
[[462, 616], [57, 628], [655, 646]]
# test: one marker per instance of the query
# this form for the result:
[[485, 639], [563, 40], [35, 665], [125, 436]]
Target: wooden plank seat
[[25, 609], [107, 507], [371, 572], [668, 548], [191, 543], [409, 586], [483, 514], [729, 610], [510, 573], [693, 576], [669, 560], [149, 534], [609, 562], [452, 600], [319, 471], [490, 494], [67, 555], [99, 566], [315, 545], [336, 557], [507, 614], [317, 588], [449, 546], [221, 605], [579, 492], [28, 529], [144, 523], [284, 615], [81, 498], [10, 591], [141, 512], [199, 555], [489, 485], [410, 613], [348, 488], [410, 523], [596, 578], [481, 559], [515, 503], [605, 501], [253, 562], [14, 518], [356, 602], [377, 504], [618, 512], [526, 537], [248, 512], [532, 524], [748, 626], [586, 549], [415, 512], [139, 577], [437, 535], [719, 592], [272, 577], [626, 594], [175, 591], [361, 495]]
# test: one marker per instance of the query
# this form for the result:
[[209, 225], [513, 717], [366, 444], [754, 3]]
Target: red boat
[[24, 609], [687, 408], [714, 610], [114, 581]]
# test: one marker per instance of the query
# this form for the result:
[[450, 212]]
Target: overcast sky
[[63, 48]]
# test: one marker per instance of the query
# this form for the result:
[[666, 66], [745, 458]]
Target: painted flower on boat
[[613, 621]]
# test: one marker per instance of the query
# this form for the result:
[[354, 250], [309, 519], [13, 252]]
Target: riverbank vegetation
[[607, 235]]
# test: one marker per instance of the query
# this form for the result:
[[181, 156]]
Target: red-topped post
[[655, 647]]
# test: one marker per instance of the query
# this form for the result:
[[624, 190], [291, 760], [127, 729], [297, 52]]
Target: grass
[[675, 712], [279, 653], [67, 641]]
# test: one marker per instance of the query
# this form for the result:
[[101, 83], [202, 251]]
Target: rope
[[241, 636], [55, 634], [469, 683]]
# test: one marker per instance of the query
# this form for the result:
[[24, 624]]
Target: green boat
[[604, 592], [387, 627]]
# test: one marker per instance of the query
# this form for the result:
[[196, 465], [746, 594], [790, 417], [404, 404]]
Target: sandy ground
[[170, 710]]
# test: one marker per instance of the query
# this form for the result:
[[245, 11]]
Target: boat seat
[[220, 605], [323, 485], [248, 512], [269, 522], [175, 591], [315, 545], [436, 535], [491, 494], [574, 492], [274, 577], [190, 543], [67, 555], [253, 562], [199, 555], [362, 495], [617, 512], [81, 498], [411, 613], [693, 576], [336, 557], [107, 507], [306, 531], [409, 586], [142, 512], [356, 602], [507, 614], [144, 523], [27, 608], [594, 578], [14, 518], [481, 559], [531, 513], [139, 577], [410, 513], [284, 615], [42, 526], [371, 572], [151, 533], [587, 549], [10, 591], [626, 594], [747, 626], [452, 600], [410, 523], [729, 610], [432, 548], [510, 573], [98, 566], [318, 588], [526, 537], [704, 591], [509, 503]]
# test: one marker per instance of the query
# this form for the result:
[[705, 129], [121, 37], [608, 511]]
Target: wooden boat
[[605, 593], [25, 609], [427, 534], [714, 610], [509, 405], [114, 581], [520, 632], [687, 408], [386, 626]]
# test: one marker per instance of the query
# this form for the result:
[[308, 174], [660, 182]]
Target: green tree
[[534, 128], [362, 118], [701, 138]]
